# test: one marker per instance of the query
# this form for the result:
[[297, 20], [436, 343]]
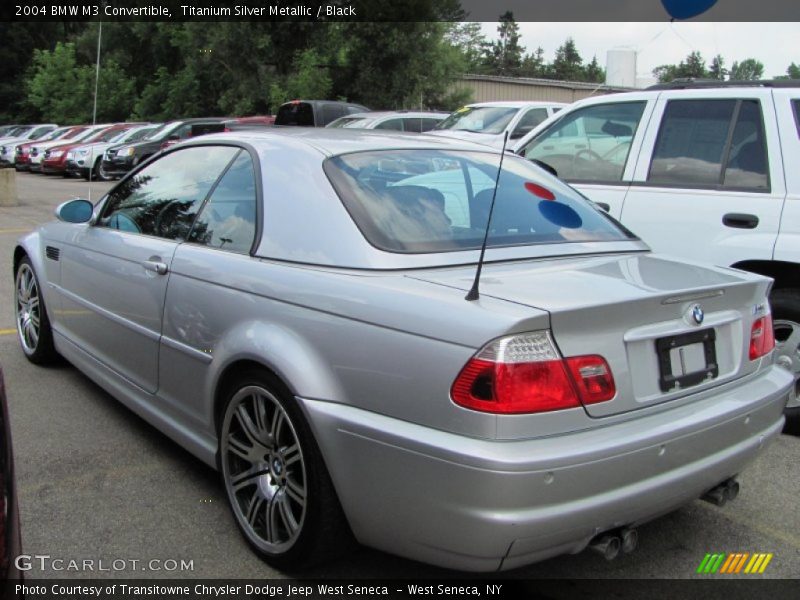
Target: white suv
[[708, 172]]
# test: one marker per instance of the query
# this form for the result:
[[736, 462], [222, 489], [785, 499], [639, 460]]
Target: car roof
[[518, 103], [379, 114], [331, 142]]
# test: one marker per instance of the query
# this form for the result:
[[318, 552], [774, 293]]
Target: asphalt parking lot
[[98, 483]]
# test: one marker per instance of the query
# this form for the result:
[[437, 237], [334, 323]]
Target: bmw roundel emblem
[[697, 314]]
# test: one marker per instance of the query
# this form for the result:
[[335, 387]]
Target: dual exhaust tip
[[610, 545], [626, 540]]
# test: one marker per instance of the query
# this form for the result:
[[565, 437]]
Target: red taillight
[[762, 337], [525, 374], [592, 377]]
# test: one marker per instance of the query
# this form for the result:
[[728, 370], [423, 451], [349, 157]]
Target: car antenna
[[473, 293]]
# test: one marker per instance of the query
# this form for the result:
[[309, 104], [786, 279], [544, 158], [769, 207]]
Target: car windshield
[[139, 134], [416, 201], [161, 131], [479, 119], [351, 122]]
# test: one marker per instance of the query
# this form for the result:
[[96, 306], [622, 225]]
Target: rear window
[[300, 114], [416, 201]]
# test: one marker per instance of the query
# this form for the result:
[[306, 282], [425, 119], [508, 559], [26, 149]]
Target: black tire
[[101, 174], [94, 174], [785, 304], [33, 325], [277, 485]]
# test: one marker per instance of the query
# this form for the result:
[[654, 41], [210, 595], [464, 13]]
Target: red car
[[23, 151], [55, 158]]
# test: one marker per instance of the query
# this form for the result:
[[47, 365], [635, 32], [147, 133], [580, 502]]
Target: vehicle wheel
[[101, 174], [277, 485], [786, 318], [33, 325], [94, 174]]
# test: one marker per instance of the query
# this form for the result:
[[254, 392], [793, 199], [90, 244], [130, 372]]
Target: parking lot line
[[7, 331], [2, 231]]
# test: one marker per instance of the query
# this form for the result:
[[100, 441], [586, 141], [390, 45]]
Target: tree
[[568, 65], [594, 72], [468, 39], [793, 71], [533, 64], [717, 68], [63, 91], [692, 66], [748, 69], [504, 55]]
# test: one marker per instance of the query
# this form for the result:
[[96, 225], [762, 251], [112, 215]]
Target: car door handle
[[156, 267], [740, 220]]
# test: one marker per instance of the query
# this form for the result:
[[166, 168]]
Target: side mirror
[[75, 211], [173, 137]]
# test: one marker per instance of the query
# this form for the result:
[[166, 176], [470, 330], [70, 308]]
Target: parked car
[[488, 122], [9, 145], [22, 151], [10, 542], [289, 305], [55, 157], [118, 160], [314, 113], [416, 121], [28, 132], [86, 158], [201, 128], [706, 171], [37, 151]]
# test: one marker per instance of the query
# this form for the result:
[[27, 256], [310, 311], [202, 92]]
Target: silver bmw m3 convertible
[[291, 307]]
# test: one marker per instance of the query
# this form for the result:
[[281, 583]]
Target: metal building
[[487, 88]]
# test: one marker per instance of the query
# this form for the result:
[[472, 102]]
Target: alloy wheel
[[264, 469], [28, 308]]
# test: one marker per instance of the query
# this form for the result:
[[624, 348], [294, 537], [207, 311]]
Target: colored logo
[[697, 314], [734, 563]]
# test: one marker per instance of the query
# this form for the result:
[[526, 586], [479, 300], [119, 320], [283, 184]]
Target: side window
[[589, 144], [228, 219], [529, 120], [162, 199], [331, 112], [711, 143], [393, 124], [796, 104], [747, 157]]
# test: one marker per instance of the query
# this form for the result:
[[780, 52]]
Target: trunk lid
[[640, 312]]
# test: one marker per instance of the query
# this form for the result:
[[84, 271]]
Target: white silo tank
[[621, 67]]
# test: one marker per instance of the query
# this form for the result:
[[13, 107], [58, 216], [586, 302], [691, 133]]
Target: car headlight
[[3, 150], [125, 152], [81, 152], [56, 153], [71, 154]]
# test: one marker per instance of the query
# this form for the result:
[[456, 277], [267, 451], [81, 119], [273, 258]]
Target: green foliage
[[504, 55], [308, 80], [793, 71], [63, 92], [692, 66], [748, 69], [716, 69], [568, 64]]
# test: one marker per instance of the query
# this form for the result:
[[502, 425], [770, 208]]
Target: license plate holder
[[671, 352]]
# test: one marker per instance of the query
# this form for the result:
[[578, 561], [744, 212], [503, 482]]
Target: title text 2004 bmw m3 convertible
[[290, 307]]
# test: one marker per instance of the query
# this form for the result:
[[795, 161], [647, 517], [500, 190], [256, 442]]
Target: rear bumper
[[483, 505]]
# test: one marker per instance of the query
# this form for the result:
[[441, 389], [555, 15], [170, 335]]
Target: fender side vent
[[52, 252]]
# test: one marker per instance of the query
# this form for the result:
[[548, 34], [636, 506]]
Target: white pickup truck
[[706, 171]]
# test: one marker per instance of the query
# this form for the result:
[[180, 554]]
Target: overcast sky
[[776, 45]]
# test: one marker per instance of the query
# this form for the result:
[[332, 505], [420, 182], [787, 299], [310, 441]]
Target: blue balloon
[[686, 9]]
